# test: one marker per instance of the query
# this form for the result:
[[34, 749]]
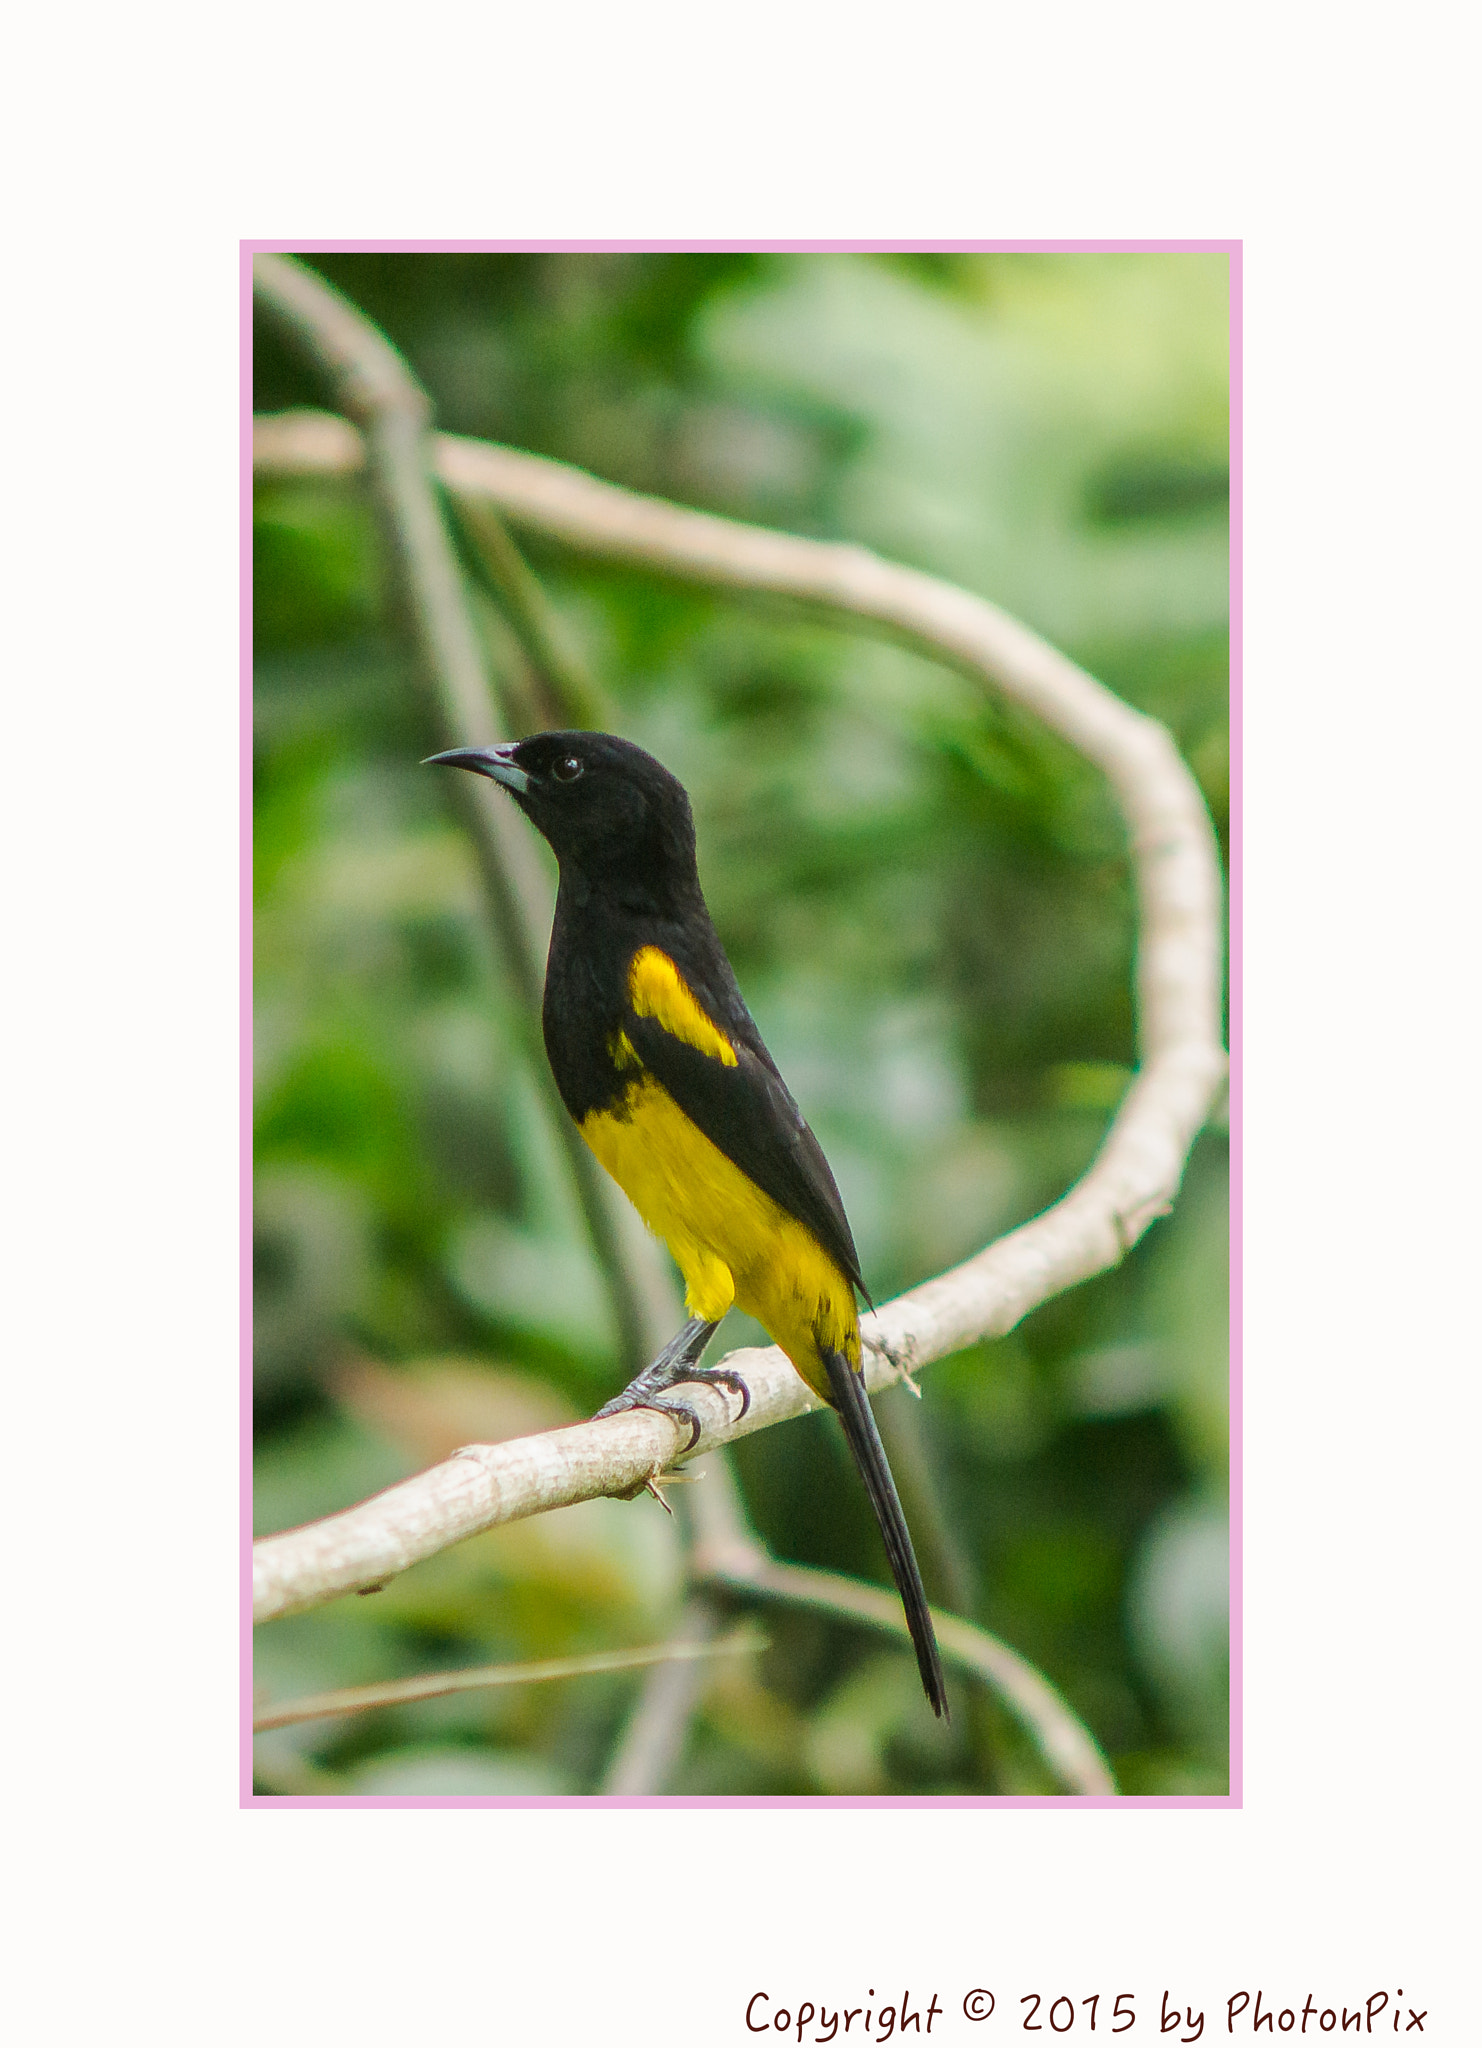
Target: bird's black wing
[[747, 1113]]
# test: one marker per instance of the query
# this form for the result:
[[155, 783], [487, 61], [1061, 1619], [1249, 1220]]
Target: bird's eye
[[567, 770]]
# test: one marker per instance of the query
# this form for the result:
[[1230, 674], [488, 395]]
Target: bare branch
[[434, 1685], [1135, 1175], [489, 1483]]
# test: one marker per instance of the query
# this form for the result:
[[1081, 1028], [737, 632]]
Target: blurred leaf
[[313, 558], [870, 1732], [452, 1770], [1156, 484], [434, 1407], [1179, 1607], [1119, 1379], [545, 1285], [317, 1467], [311, 1267], [597, 1575], [1189, 1305]]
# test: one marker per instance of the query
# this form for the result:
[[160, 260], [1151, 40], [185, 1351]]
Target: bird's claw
[[645, 1392], [722, 1376]]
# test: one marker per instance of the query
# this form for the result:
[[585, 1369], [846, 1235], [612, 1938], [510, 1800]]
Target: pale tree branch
[[1134, 1176]]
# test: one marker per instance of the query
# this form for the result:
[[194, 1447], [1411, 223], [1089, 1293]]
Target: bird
[[657, 1059]]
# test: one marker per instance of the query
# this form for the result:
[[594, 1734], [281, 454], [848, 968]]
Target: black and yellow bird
[[657, 1058]]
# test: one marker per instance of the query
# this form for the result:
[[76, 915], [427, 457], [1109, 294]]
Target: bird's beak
[[495, 762]]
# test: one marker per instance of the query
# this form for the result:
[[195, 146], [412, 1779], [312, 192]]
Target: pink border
[[1235, 1033], [1050, 1802], [244, 1221]]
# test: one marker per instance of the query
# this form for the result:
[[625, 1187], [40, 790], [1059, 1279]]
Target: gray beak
[[495, 762]]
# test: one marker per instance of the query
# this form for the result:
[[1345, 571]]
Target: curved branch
[[1061, 1739], [728, 1557], [1134, 1176]]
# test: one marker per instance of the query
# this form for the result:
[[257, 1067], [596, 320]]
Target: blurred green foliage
[[926, 901]]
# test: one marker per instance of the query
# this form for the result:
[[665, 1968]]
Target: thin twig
[[1134, 1176], [713, 1519], [377, 389], [714, 1522], [578, 698], [433, 1685], [653, 1741]]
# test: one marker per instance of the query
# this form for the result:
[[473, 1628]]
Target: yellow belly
[[731, 1241]]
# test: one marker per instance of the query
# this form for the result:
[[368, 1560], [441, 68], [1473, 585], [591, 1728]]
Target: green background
[[926, 901]]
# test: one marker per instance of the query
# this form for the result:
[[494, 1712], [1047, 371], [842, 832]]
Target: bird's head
[[610, 811]]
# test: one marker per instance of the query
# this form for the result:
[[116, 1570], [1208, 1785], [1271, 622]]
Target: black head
[[610, 811]]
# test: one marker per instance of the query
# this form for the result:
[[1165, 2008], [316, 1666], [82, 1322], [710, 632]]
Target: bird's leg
[[674, 1364]]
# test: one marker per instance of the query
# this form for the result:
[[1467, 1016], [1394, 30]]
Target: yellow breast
[[730, 1240]]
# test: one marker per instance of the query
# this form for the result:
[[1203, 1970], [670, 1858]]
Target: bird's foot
[[674, 1366]]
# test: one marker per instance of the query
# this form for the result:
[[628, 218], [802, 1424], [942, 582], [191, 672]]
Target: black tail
[[853, 1406]]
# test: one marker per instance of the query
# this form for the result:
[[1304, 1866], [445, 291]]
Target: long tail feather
[[853, 1405]]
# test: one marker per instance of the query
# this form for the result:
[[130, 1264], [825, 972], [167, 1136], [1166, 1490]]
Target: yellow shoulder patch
[[656, 989]]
